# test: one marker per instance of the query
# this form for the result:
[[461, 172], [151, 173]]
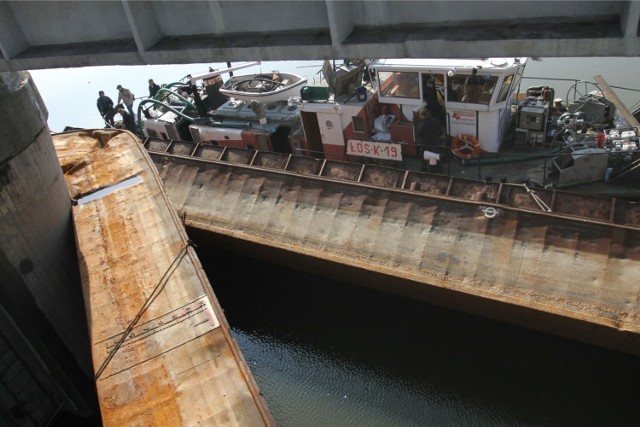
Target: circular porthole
[[329, 124]]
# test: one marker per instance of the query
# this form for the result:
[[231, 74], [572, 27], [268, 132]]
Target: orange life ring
[[465, 146]]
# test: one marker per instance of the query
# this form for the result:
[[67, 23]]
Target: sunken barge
[[558, 262]]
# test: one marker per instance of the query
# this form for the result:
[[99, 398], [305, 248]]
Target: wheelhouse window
[[358, 124], [471, 89], [399, 84], [504, 90]]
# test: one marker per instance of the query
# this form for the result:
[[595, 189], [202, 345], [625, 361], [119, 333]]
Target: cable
[[154, 294]]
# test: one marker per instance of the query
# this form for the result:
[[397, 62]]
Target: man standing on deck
[[126, 97], [428, 135], [153, 88], [432, 96], [105, 107]]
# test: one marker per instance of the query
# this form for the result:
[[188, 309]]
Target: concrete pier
[[46, 363]]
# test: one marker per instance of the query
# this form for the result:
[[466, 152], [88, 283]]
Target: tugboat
[[368, 112]]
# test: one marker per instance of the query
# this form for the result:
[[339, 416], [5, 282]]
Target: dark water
[[326, 353]]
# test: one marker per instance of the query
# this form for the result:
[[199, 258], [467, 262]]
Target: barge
[[557, 262], [162, 350]]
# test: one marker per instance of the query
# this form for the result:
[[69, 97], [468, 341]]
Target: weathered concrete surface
[[40, 297], [540, 271], [56, 34], [162, 350]]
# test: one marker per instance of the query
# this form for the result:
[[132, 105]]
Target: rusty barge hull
[[482, 247], [162, 350]]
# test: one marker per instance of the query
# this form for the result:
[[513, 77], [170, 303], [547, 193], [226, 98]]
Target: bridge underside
[[53, 34]]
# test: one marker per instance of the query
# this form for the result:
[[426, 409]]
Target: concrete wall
[[41, 307], [52, 34]]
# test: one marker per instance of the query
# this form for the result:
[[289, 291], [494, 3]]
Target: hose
[[164, 107], [170, 92]]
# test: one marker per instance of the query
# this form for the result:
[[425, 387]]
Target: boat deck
[[162, 350]]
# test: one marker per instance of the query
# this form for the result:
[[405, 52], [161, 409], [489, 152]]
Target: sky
[[70, 94]]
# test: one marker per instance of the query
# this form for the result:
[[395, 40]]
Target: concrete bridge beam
[[341, 22], [12, 38], [36, 35], [630, 25], [144, 26]]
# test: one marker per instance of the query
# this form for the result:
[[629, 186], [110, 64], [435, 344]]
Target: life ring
[[465, 146]]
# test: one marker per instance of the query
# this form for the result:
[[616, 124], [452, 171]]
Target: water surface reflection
[[326, 353]]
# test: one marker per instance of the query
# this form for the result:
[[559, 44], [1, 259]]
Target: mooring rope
[[154, 294]]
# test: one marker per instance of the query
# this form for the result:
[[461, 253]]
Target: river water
[[326, 353]]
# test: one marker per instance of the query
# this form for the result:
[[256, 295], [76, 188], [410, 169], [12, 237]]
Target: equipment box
[[533, 118]]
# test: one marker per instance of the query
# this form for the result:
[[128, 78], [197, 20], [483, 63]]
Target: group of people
[[126, 99]]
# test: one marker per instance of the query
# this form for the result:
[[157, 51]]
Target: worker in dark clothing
[[127, 119], [428, 135], [105, 107], [153, 88], [432, 97]]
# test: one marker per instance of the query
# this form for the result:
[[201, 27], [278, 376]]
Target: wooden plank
[[613, 97], [161, 347]]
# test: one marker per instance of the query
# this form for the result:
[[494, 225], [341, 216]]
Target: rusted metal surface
[[573, 205], [487, 248], [161, 347]]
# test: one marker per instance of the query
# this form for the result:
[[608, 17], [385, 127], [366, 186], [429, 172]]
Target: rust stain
[[127, 242], [556, 264]]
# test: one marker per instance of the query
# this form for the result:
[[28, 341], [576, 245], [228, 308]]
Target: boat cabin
[[369, 112], [471, 97]]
